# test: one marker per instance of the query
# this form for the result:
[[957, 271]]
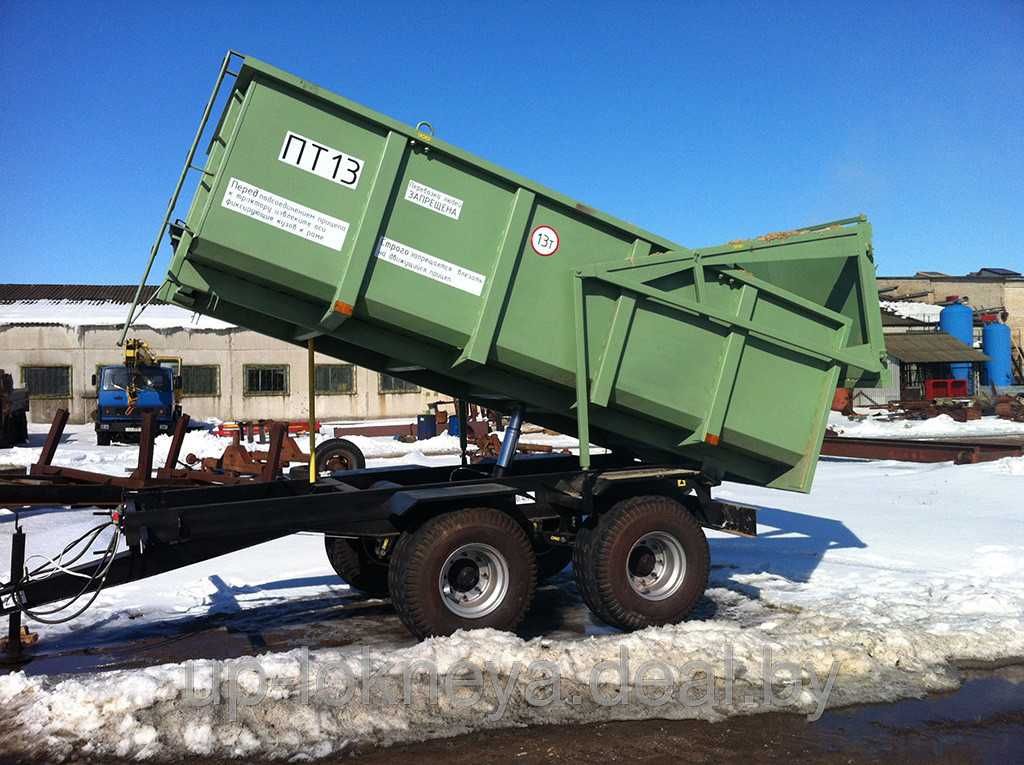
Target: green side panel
[[317, 217]]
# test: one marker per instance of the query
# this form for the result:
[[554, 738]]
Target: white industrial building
[[54, 336]]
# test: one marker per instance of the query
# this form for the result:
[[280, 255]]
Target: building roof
[[930, 347], [890, 319], [987, 274], [995, 272], [78, 293], [94, 305]]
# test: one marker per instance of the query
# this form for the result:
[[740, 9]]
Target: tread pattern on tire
[[590, 559], [582, 554], [408, 563], [352, 564]]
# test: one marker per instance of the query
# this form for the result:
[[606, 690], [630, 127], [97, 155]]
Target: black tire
[[623, 546], [357, 565], [582, 553], [551, 560], [102, 438], [338, 454], [421, 556]]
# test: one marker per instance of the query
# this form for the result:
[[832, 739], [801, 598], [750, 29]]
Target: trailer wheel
[[338, 454], [463, 570], [357, 565], [102, 438], [644, 563]]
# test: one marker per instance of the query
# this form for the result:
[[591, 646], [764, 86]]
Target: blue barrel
[[453, 426], [995, 341], [426, 426], [957, 320]]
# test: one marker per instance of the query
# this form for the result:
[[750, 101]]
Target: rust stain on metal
[[776, 236], [960, 453]]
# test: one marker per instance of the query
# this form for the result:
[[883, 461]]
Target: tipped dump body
[[317, 217]]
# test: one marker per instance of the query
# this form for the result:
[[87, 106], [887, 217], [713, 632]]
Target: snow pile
[[942, 426], [374, 447], [910, 310], [306, 705], [75, 313], [1011, 465]]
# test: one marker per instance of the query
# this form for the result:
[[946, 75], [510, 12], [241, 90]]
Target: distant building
[[54, 336], [917, 351], [991, 292]]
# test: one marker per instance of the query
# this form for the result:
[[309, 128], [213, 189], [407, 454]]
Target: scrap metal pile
[[1010, 407], [961, 411], [46, 483]]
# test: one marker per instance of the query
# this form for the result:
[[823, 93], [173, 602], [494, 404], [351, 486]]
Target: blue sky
[[703, 122]]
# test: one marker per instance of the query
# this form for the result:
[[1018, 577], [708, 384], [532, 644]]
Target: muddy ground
[[982, 722]]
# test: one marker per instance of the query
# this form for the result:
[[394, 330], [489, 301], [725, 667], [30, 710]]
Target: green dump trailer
[[323, 223], [319, 218]]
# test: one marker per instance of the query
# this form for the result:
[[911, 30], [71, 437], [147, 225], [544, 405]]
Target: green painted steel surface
[[317, 217]]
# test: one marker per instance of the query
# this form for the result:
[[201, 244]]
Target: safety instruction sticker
[[441, 203], [411, 259], [284, 214], [320, 159]]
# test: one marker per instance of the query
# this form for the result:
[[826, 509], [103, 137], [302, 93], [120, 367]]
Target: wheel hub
[[642, 561], [336, 461], [464, 575], [656, 565], [474, 580]]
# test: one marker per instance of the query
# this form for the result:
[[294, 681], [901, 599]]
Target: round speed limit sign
[[544, 240]]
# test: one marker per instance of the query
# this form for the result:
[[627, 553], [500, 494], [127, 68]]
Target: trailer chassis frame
[[168, 528]]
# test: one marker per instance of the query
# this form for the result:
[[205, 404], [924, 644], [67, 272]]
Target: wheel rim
[[474, 580], [656, 565], [334, 460]]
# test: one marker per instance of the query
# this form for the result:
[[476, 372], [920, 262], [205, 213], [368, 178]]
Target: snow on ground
[[880, 579], [942, 426]]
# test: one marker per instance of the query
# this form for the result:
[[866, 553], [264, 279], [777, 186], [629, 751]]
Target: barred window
[[47, 382], [389, 384], [334, 378], [200, 380], [265, 380]]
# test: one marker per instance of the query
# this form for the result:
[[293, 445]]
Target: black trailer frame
[[166, 529]]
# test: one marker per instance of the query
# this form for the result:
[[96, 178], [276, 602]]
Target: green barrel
[[316, 217]]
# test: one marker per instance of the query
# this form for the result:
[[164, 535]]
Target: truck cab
[[152, 387]]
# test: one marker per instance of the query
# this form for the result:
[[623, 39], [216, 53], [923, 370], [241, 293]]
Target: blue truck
[[126, 392]]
